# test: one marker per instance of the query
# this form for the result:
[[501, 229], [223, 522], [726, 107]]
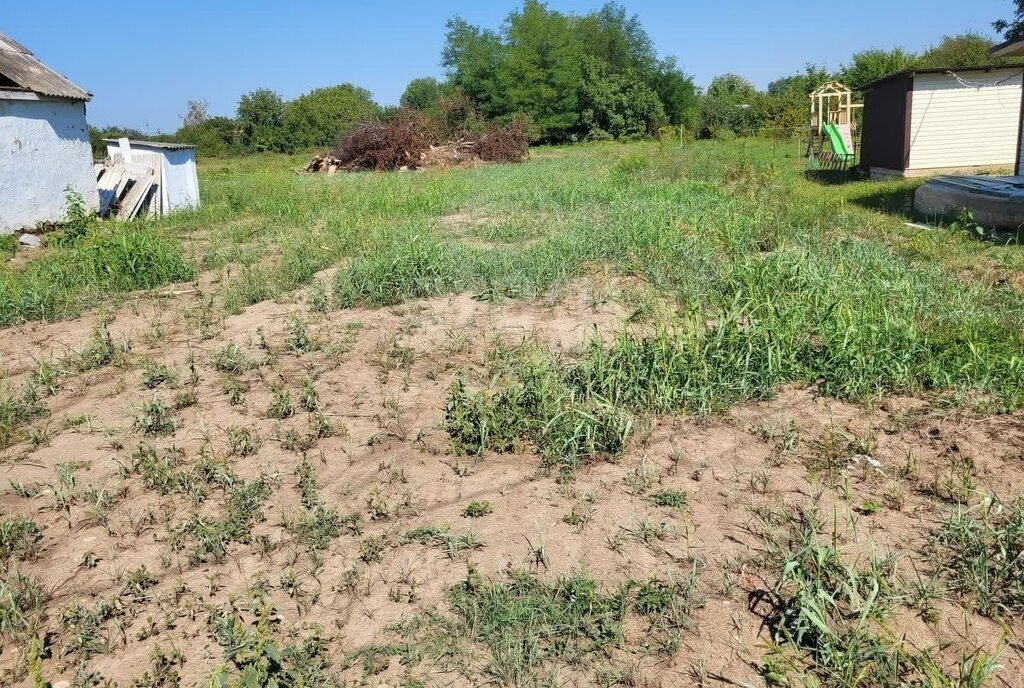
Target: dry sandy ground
[[382, 375]]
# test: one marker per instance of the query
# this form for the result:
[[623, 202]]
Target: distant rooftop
[[155, 144], [20, 70]]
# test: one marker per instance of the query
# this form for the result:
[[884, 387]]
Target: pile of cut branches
[[413, 140]]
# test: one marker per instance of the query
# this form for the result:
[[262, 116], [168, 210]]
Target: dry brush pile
[[415, 140]]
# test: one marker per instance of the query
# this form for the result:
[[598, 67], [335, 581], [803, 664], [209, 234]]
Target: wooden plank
[[136, 194], [109, 185]]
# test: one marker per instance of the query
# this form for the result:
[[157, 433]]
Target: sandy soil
[[382, 375]]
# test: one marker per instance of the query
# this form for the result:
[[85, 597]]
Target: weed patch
[[526, 623], [106, 261], [980, 552]]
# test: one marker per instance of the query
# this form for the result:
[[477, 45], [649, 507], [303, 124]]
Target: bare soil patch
[[883, 476]]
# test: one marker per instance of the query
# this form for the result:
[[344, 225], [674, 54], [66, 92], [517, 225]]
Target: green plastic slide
[[838, 143]]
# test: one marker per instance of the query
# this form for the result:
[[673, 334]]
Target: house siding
[[956, 125]]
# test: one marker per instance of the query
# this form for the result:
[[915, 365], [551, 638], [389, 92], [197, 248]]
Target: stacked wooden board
[[130, 189]]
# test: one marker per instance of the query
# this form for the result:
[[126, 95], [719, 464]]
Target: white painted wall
[[178, 170], [953, 124], [44, 147]]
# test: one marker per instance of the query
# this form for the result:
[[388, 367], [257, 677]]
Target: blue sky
[[217, 51]]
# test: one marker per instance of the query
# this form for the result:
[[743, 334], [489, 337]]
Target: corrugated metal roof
[[154, 144], [19, 65]]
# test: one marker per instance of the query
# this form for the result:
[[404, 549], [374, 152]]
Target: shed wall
[[44, 147], [178, 170], [884, 135], [974, 124]]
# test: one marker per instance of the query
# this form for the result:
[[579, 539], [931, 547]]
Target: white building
[[941, 121], [174, 165], [44, 141]]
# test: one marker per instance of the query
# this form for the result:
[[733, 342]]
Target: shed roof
[[170, 145], [20, 66], [939, 70], [1011, 48]]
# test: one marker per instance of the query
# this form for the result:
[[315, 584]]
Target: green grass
[[525, 622], [980, 551], [104, 263], [777, 278], [829, 618]]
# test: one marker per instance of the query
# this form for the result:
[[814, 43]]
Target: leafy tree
[[319, 117], [731, 107], [473, 57], [677, 93], [423, 93], [619, 106], [534, 66], [618, 40], [874, 64], [963, 50], [212, 137], [541, 71], [1012, 28], [260, 120], [786, 105]]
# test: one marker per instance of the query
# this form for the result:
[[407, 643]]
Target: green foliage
[[320, 117], [535, 66], [675, 499], [731, 106], [230, 359], [19, 538], [477, 508], [785, 104], [154, 417], [870, 65], [256, 655], [260, 122], [243, 441], [213, 137], [209, 537], [1012, 28], [110, 259], [618, 106], [164, 671], [829, 620], [8, 246], [981, 553], [529, 402], [97, 136], [453, 544], [21, 599], [423, 93], [526, 622], [669, 605], [16, 410], [155, 373], [318, 526]]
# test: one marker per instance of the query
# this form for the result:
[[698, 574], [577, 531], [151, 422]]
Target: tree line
[[576, 77]]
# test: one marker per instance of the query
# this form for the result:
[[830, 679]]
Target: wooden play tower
[[832, 126]]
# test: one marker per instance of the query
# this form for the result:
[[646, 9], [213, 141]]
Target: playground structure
[[832, 126]]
